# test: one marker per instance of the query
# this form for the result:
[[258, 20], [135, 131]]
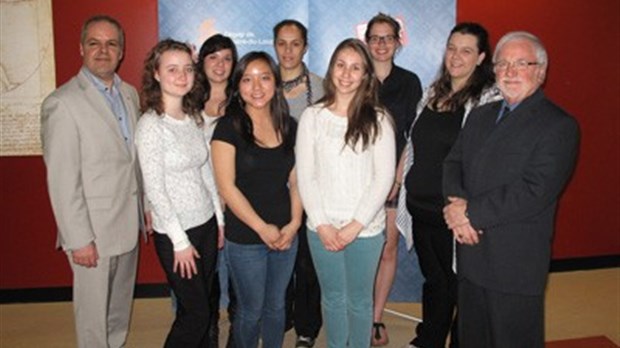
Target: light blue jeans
[[347, 281], [260, 277]]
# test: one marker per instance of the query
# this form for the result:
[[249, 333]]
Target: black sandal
[[378, 339]]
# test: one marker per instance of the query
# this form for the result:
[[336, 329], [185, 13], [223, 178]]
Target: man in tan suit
[[87, 134]]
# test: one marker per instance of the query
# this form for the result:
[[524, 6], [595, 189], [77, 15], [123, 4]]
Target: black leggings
[[433, 243], [193, 308]]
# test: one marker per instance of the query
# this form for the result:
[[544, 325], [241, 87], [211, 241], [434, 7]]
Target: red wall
[[27, 255], [583, 40]]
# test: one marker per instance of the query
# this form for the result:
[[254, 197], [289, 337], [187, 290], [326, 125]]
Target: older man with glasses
[[502, 180]]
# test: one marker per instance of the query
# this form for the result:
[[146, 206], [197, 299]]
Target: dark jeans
[[303, 295], [433, 243], [189, 328]]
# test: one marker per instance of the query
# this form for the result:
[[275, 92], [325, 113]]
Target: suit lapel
[[519, 116], [487, 121], [98, 102], [514, 123]]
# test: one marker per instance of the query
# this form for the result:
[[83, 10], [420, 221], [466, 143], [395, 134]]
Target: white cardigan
[[336, 183], [177, 176]]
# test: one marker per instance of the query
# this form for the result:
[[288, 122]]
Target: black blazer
[[511, 174]]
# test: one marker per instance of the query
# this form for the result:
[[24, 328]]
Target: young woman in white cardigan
[[180, 186], [345, 155]]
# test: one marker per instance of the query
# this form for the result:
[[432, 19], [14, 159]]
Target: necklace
[[303, 77], [290, 84]]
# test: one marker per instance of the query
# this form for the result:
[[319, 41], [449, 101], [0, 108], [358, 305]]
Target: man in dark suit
[[87, 134], [502, 180]]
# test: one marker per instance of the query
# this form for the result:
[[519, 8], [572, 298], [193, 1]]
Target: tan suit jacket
[[91, 173]]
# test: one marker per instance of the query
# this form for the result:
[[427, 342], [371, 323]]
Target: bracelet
[[398, 184]]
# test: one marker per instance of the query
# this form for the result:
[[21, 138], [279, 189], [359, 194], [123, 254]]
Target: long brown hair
[[362, 111], [481, 78], [213, 44], [151, 95]]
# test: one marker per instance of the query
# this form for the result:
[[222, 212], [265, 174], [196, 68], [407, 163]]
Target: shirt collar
[[510, 106], [102, 87]]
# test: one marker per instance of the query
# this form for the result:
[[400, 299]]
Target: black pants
[[190, 326], [303, 295], [433, 243], [491, 319]]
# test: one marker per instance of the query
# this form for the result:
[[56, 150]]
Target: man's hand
[[466, 234], [454, 212], [86, 256]]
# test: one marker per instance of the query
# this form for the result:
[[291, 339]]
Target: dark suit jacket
[[511, 174]]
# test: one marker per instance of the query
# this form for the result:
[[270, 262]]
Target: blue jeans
[[347, 281], [260, 277]]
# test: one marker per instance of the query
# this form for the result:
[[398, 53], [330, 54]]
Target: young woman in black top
[[254, 162], [465, 81], [399, 91]]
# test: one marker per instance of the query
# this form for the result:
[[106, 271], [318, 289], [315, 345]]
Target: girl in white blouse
[[345, 155], [178, 184]]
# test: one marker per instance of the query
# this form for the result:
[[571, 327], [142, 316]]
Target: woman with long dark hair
[[253, 160], [216, 61], [465, 81]]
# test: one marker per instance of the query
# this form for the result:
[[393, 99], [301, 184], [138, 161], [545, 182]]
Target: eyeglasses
[[519, 65], [375, 39]]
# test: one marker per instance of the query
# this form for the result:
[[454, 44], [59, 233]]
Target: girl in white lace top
[[178, 184], [345, 166]]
